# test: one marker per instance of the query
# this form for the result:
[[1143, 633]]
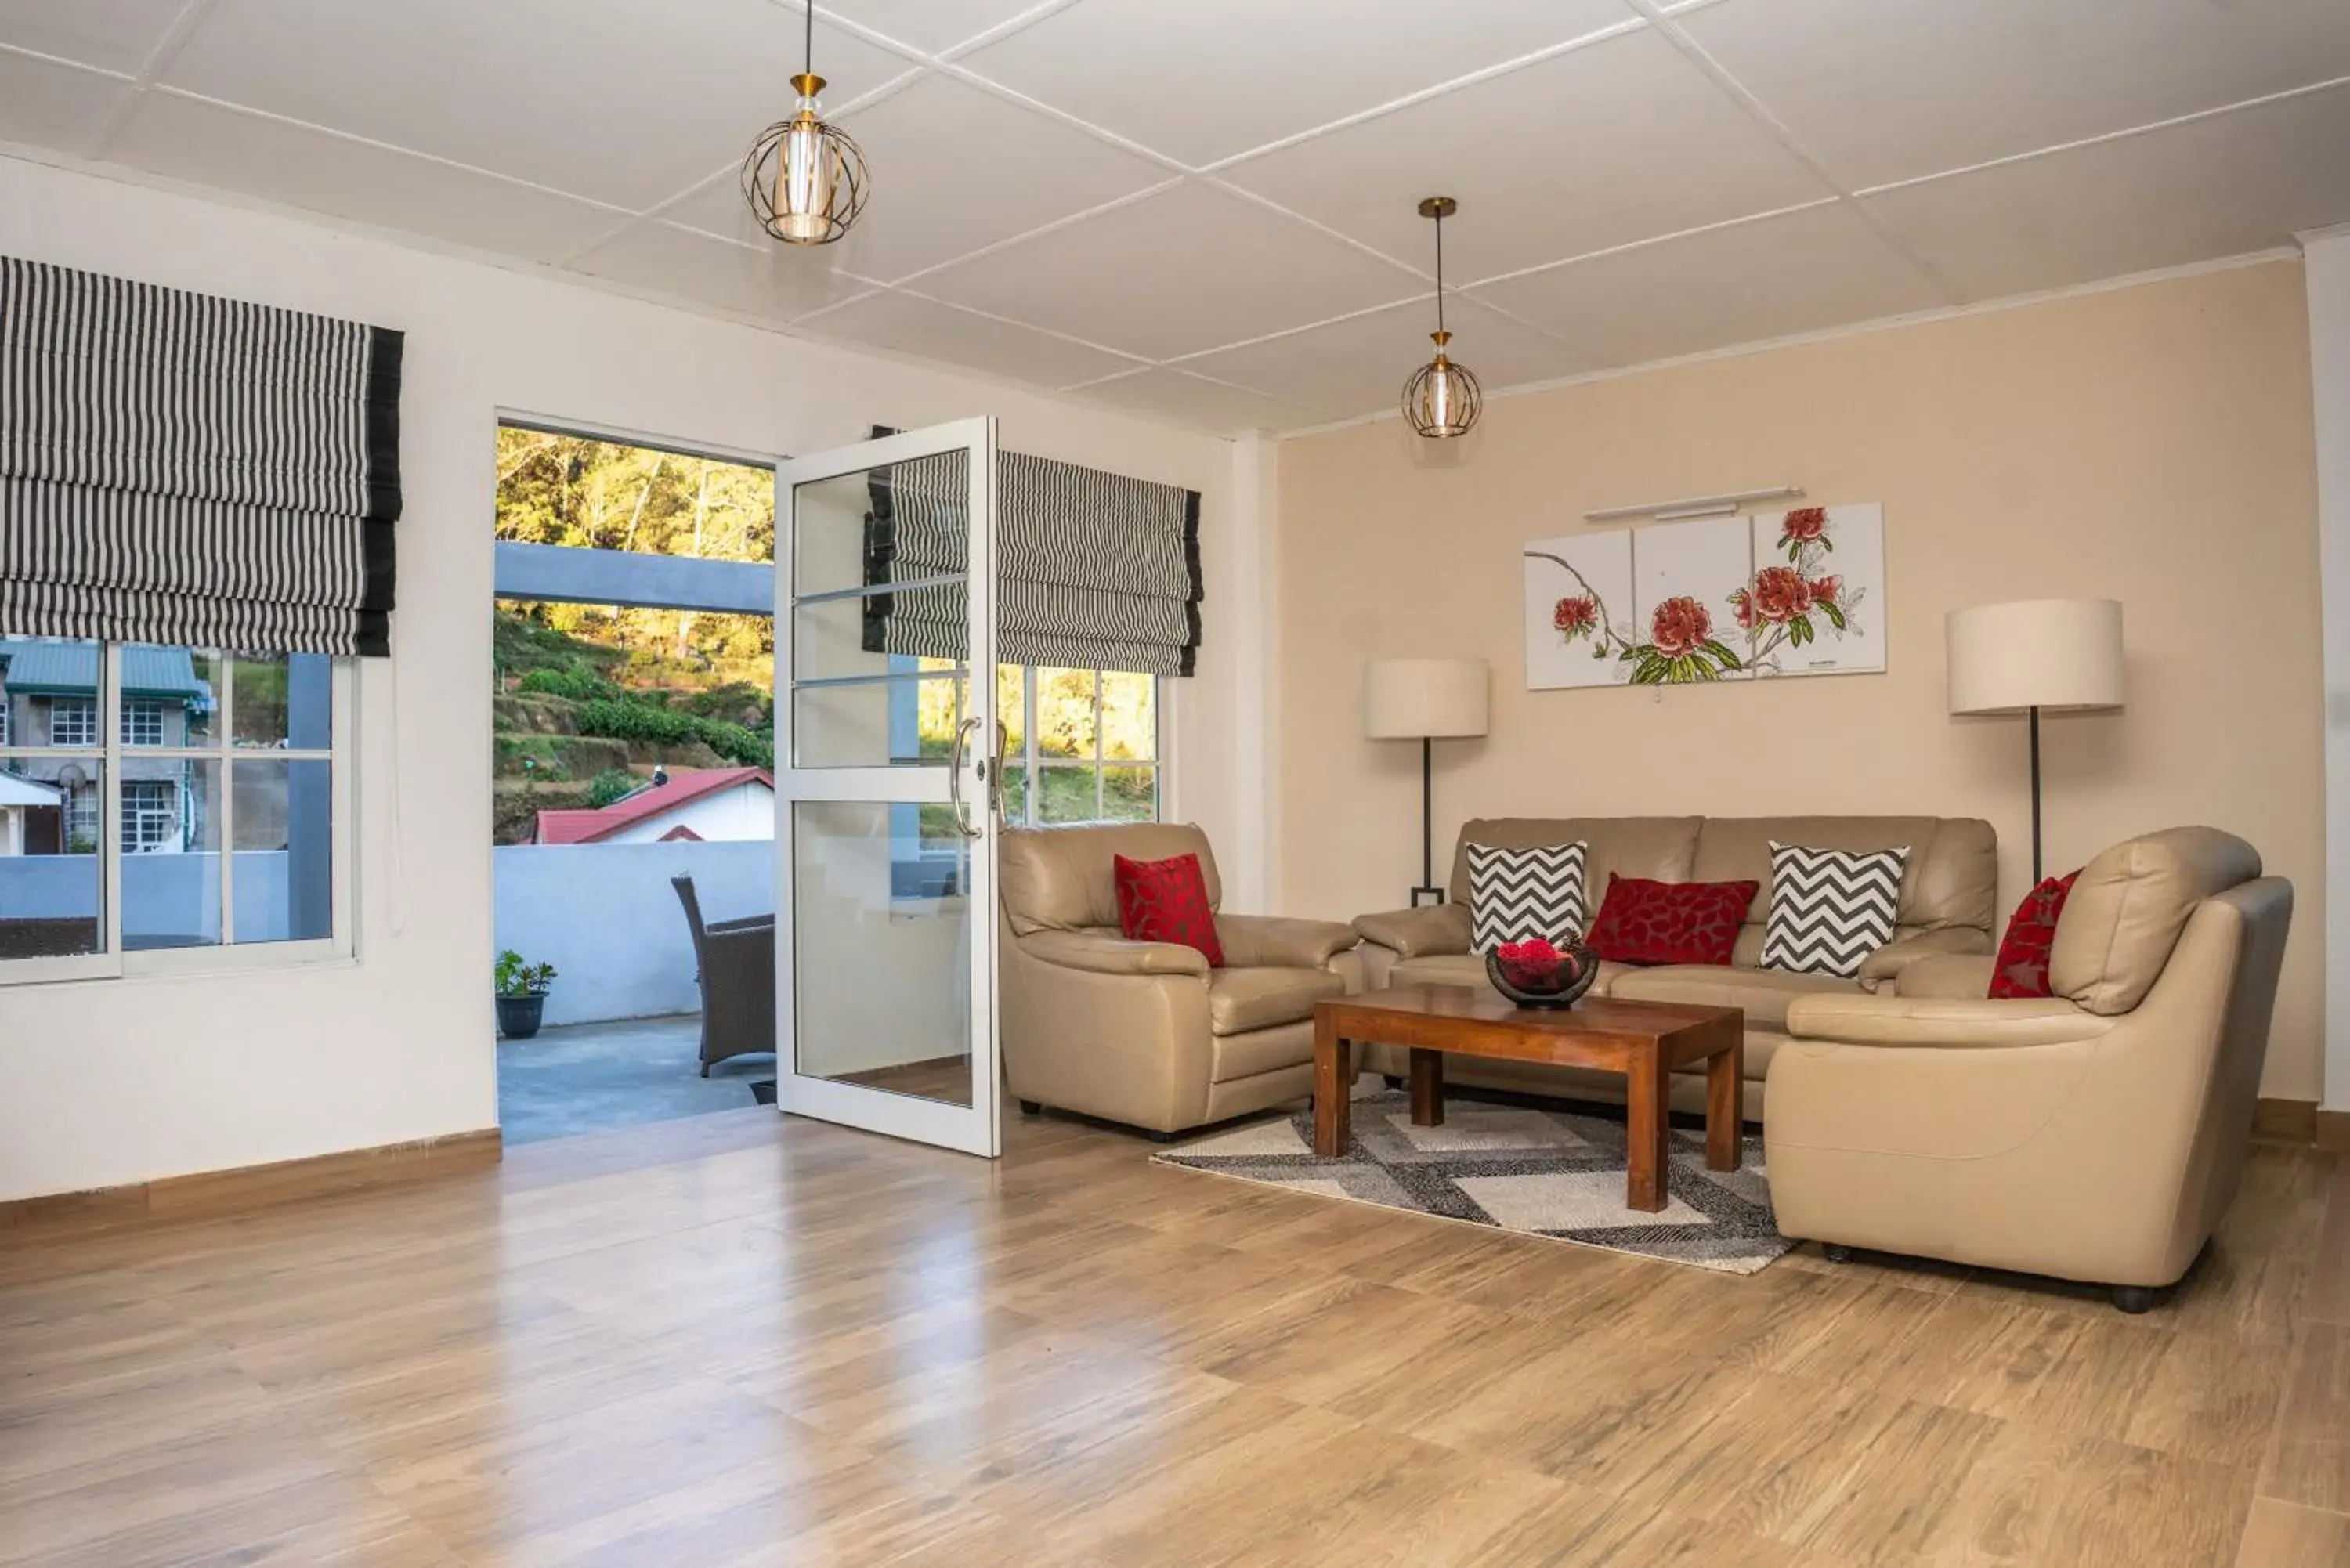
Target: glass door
[[885, 831]]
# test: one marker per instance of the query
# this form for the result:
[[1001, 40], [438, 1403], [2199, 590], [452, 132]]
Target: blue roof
[[31, 667]]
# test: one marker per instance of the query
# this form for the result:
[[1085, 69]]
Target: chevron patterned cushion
[[1517, 895], [1830, 908]]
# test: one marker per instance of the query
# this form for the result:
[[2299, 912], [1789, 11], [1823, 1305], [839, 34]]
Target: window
[[142, 723], [186, 808], [73, 721], [1080, 745]]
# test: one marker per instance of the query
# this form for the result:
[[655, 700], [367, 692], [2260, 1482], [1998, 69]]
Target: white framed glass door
[[885, 831]]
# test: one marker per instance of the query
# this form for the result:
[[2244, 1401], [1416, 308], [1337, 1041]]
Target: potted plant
[[522, 994]]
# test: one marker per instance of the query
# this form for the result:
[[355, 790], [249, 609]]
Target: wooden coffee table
[[1644, 1040]]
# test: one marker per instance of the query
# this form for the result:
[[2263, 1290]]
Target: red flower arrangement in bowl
[[1539, 973]]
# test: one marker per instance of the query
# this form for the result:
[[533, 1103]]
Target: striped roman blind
[[1094, 570], [177, 468]]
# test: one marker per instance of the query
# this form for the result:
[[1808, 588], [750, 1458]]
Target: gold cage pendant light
[[1441, 399], [806, 180]]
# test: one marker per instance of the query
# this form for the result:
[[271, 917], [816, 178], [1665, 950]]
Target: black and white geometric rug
[[1518, 1167]]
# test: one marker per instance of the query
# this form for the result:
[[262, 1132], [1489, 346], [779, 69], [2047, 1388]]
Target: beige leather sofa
[[2097, 1135], [1145, 1032], [1949, 902]]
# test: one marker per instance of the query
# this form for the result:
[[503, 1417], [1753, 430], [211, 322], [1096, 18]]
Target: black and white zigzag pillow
[[1830, 908], [1516, 895]]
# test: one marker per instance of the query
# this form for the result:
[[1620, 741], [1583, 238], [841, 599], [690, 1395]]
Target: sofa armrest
[[1937, 1022], [1100, 954], [1274, 942], [1418, 933], [1887, 962]]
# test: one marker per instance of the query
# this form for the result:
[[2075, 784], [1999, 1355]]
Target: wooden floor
[[742, 1339]]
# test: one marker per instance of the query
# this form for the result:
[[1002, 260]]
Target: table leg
[[1647, 1133], [1332, 1107], [1427, 1087], [1725, 1108]]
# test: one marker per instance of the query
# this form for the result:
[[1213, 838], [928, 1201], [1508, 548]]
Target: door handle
[[955, 779]]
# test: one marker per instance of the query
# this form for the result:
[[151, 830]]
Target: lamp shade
[[1420, 699], [2036, 653]]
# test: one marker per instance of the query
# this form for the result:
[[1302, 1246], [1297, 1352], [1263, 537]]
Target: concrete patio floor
[[590, 1077]]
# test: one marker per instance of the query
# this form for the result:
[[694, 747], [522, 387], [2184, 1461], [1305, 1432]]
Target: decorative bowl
[[1538, 974]]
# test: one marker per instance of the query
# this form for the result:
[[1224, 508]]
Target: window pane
[[49, 687], [1065, 713], [904, 721], [1016, 792], [276, 700], [170, 696], [285, 851], [1129, 718], [73, 722], [1066, 795], [52, 882], [1012, 708], [555, 489], [1129, 795], [171, 855]]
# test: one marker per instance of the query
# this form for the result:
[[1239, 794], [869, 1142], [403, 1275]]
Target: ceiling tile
[[209, 145], [603, 98], [954, 168], [1891, 89], [1202, 404], [907, 323], [2217, 187], [1204, 79], [1796, 273], [1620, 141], [772, 282], [1190, 268], [1359, 365], [931, 25], [44, 105], [115, 34]]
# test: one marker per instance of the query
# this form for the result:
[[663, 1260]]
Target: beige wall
[[2152, 443]]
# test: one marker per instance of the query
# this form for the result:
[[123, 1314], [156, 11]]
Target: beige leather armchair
[[2097, 1135], [1146, 1032]]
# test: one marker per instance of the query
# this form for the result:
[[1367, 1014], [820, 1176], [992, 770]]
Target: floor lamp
[[1424, 699], [2033, 656]]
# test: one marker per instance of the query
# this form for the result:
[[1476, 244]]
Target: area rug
[[1519, 1167]]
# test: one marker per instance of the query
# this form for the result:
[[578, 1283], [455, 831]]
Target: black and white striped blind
[[1094, 570], [177, 468]]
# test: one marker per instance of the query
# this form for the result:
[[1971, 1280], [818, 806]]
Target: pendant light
[[806, 180], [1441, 399]]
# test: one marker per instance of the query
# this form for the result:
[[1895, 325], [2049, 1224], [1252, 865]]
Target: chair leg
[[706, 1069], [1156, 1136], [1836, 1252], [1393, 1081], [2134, 1299], [1032, 1107]]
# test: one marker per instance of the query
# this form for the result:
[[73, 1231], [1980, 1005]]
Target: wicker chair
[[735, 964]]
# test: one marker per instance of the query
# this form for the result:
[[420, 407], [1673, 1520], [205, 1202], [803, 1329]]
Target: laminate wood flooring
[[747, 1339]]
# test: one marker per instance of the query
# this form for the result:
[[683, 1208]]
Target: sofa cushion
[[2129, 904], [1518, 894], [1764, 993], [1659, 848], [1240, 999], [2021, 967], [1951, 877], [1167, 901], [1261, 1051], [1642, 921], [1061, 878], [1830, 908]]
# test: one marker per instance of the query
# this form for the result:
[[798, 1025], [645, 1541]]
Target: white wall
[[2328, 270], [747, 810], [105, 1083], [606, 916]]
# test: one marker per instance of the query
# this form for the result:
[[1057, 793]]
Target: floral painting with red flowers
[[1708, 600]]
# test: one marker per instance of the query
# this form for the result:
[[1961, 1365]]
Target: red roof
[[590, 827]]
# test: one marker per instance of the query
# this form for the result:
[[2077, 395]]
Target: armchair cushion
[[1167, 901], [1271, 941], [1891, 961], [1934, 1021], [1102, 953], [1947, 977], [1241, 1000], [2129, 904], [1418, 933]]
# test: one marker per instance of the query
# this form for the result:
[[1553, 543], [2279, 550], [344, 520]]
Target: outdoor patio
[[592, 1078]]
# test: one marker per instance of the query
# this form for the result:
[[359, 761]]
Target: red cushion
[[1641, 921], [2021, 967], [1167, 901]]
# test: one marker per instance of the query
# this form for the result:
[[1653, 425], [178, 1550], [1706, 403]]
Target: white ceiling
[[1203, 210]]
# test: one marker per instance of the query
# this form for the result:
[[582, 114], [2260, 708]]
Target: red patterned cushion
[[1167, 901], [2021, 967], [1642, 921]]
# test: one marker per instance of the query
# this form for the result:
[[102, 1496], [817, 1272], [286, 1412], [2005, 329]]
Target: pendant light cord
[[1439, 272], [809, 68]]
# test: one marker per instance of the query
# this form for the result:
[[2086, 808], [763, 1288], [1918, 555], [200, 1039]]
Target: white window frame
[[137, 818], [228, 954], [1031, 761], [142, 714], [87, 727]]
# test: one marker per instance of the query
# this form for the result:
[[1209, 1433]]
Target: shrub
[[621, 719], [609, 786], [580, 685]]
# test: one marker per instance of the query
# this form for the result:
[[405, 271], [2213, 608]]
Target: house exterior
[[710, 804], [50, 696]]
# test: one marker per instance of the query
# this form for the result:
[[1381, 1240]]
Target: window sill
[[191, 963]]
